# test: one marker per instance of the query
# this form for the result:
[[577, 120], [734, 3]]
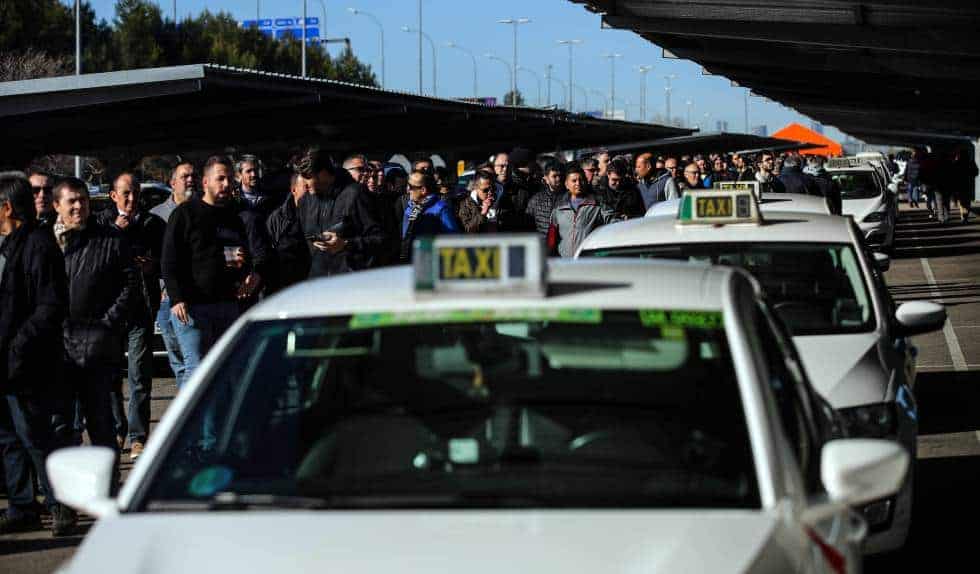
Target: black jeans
[[92, 395], [26, 440], [135, 423]]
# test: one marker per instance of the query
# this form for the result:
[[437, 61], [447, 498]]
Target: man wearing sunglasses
[[42, 185], [766, 175]]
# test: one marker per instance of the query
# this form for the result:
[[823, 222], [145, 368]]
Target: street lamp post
[[435, 90], [537, 78], [585, 93], [510, 70], [605, 102], [303, 40], [476, 90], [643, 70], [323, 19], [564, 92], [612, 80], [515, 22], [667, 91], [78, 64], [571, 79], [381, 29]]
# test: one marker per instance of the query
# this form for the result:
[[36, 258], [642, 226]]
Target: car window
[[857, 184], [576, 408], [817, 289]]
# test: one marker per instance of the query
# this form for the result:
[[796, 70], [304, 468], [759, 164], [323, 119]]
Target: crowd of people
[[80, 293], [941, 180]]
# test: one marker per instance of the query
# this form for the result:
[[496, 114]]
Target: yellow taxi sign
[[718, 207], [497, 263]]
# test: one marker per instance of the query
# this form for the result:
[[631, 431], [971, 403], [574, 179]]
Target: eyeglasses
[[416, 187], [39, 189], [672, 167], [692, 173]]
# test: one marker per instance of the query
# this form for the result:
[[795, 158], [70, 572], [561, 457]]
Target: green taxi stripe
[[377, 320]]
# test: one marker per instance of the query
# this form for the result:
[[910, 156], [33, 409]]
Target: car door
[[809, 423]]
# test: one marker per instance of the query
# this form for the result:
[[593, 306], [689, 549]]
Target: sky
[[472, 24]]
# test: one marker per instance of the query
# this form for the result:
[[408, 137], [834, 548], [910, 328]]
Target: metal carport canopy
[[721, 142], [130, 114], [904, 70]]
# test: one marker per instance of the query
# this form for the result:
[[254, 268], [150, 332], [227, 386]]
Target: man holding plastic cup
[[206, 265]]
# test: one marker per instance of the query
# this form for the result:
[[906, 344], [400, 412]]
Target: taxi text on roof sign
[[752, 186], [718, 207], [499, 264]]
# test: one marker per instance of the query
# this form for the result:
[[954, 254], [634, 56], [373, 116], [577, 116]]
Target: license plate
[[713, 207], [469, 263]]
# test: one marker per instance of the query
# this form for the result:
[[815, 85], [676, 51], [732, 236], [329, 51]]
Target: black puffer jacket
[[518, 193], [101, 288], [33, 302], [540, 206], [345, 206], [145, 238], [626, 202], [292, 254], [795, 181]]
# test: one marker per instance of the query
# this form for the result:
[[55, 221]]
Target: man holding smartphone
[[337, 219], [144, 232]]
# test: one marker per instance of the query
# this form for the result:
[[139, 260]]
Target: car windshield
[[817, 289], [856, 184], [479, 408]]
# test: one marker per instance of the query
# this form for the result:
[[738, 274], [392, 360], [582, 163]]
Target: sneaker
[[135, 449], [63, 520], [22, 522]]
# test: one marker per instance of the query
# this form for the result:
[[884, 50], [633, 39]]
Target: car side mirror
[[883, 261], [857, 471], [82, 478], [918, 317]]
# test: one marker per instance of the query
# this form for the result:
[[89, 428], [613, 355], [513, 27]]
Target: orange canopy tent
[[798, 133]]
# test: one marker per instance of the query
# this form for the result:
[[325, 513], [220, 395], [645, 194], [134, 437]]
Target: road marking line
[[959, 361]]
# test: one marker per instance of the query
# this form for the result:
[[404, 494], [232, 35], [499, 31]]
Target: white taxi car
[[865, 196], [492, 411], [771, 202], [828, 289]]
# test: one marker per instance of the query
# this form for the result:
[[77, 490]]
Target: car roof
[[770, 202], [864, 167], [778, 226], [622, 284]]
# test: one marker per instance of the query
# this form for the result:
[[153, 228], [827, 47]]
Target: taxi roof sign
[[718, 207], [752, 186], [847, 162], [502, 264]]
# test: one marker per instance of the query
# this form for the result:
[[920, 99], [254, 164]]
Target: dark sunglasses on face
[[39, 189]]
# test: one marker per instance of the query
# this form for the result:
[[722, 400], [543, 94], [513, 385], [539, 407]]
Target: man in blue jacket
[[427, 213]]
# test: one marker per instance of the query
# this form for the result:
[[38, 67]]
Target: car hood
[[845, 369], [860, 208], [411, 542]]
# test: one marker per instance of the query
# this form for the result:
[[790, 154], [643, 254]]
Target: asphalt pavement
[[933, 262]]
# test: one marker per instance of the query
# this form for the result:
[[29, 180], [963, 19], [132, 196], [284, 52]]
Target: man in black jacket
[[101, 290], [286, 234], [338, 218], [825, 183], [543, 202], [205, 264], [254, 205], [793, 178], [144, 232], [33, 298], [620, 194]]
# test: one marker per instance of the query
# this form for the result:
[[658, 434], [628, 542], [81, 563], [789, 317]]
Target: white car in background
[[866, 197], [830, 292], [771, 202], [492, 411]]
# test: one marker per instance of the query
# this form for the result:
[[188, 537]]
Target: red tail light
[[835, 559]]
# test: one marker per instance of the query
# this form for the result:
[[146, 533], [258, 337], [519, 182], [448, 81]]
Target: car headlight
[[875, 217], [877, 420]]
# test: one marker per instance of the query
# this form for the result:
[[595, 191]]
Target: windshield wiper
[[236, 501]]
